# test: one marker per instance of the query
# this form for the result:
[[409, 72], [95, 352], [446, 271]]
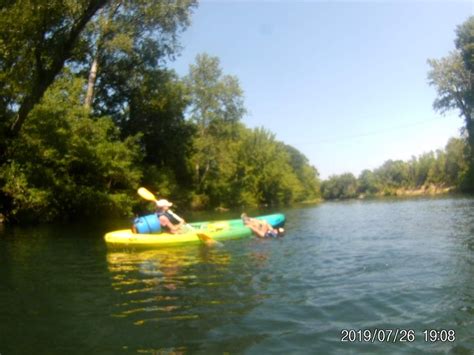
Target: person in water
[[261, 228], [170, 221]]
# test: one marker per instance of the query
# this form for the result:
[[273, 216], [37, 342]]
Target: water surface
[[406, 264]]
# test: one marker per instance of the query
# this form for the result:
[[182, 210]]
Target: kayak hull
[[218, 230]]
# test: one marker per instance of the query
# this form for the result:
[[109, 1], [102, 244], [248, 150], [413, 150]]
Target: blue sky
[[344, 82]]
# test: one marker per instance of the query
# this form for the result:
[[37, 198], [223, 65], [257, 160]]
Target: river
[[371, 268]]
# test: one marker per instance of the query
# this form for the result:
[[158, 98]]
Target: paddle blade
[[206, 239], [147, 195]]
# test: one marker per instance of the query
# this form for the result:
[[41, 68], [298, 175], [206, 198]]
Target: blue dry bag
[[147, 224]]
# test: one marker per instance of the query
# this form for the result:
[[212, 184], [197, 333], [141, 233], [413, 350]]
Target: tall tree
[[453, 77], [156, 112], [216, 108]]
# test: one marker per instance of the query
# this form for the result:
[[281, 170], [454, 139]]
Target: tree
[[308, 175], [453, 77], [436, 173], [342, 186], [456, 165], [263, 173], [394, 174], [156, 111], [454, 85], [367, 182], [424, 163], [216, 108]]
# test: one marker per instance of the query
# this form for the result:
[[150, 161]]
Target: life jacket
[[168, 215]]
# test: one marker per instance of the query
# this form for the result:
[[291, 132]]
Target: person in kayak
[[261, 228], [168, 219]]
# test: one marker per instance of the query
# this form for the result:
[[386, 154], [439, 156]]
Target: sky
[[343, 82]]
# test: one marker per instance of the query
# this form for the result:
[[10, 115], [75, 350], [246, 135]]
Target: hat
[[163, 203]]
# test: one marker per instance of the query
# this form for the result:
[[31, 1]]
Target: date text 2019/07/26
[[396, 335]]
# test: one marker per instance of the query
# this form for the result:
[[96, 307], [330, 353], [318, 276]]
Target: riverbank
[[426, 190]]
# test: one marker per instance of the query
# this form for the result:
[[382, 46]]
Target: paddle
[[147, 195]]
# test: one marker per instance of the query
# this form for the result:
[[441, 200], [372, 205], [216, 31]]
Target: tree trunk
[[103, 32], [91, 83]]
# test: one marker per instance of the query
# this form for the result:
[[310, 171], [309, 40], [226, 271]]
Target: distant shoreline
[[427, 190]]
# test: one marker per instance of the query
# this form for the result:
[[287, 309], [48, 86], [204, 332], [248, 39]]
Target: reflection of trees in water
[[186, 295]]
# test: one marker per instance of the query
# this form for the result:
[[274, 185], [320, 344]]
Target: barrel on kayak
[[147, 224]]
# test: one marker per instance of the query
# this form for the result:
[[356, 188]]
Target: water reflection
[[183, 293], [165, 268]]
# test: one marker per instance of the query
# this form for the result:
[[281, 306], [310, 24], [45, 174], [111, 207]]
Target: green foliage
[[82, 162], [157, 112], [421, 168], [393, 173], [216, 99], [465, 42], [66, 164], [453, 77], [36, 39], [89, 113], [453, 84], [264, 174], [130, 41], [342, 186], [456, 162], [445, 168], [367, 183], [233, 165], [216, 109], [436, 173], [307, 174], [22, 197]]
